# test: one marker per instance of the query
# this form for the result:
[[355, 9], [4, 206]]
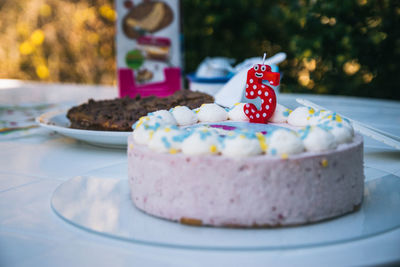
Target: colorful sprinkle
[[213, 148], [173, 151], [165, 141], [324, 163], [262, 141]]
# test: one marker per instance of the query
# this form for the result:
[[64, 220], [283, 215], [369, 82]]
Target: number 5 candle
[[255, 88]]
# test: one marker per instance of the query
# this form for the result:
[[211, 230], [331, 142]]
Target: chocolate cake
[[119, 114]]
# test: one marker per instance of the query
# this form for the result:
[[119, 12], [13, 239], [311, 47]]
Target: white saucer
[[103, 206], [58, 121]]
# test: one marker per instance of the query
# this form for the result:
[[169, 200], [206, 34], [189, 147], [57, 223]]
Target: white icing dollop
[[281, 114], [239, 146], [184, 116], [212, 113], [285, 142], [342, 131], [237, 113], [141, 135], [316, 139], [202, 141], [163, 140], [342, 134], [299, 116], [145, 128], [316, 117], [166, 116]]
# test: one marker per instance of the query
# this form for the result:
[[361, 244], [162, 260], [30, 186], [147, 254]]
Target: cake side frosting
[[260, 190]]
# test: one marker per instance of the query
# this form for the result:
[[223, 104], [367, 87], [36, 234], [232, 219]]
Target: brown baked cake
[[119, 114]]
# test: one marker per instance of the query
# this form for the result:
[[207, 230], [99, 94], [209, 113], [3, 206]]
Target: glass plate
[[103, 206]]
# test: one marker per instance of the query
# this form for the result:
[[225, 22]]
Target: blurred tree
[[334, 47], [58, 40]]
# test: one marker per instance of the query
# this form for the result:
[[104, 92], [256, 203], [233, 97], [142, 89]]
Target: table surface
[[32, 166]]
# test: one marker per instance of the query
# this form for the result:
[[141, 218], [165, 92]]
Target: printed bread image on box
[[148, 55], [148, 16]]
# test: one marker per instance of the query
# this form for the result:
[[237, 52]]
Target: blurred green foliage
[[334, 47], [347, 47]]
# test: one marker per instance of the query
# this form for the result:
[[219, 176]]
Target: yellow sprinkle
[[197, 111], [242, 136], [261, 140], [329, 117], [284, 156], [213, 148], [151, 134], [237, 104], [167, 130], [338, 118], [141, 120], [130, 146], [173, 151], [324, 163], [311, 111]]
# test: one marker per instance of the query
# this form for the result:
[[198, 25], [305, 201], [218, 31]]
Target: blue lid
[[192, 77]]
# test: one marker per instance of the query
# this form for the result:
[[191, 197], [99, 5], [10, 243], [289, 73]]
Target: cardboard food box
[[148, 47]]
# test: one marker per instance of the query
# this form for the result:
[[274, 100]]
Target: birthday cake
[[228, 167]]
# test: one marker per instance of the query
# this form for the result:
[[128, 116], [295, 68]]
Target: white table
[[33, 166]]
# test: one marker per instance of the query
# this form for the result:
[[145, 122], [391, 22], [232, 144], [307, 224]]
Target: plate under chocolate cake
[[119, 114]]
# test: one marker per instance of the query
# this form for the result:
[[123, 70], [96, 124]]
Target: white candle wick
[[265, 55]]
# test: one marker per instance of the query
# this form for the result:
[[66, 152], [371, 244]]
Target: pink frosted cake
[[210, 166]]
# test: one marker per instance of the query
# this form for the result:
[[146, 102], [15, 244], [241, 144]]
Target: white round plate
[[103, 206], [57, 121]]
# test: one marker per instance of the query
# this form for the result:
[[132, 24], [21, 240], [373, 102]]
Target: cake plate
[[100, 203]]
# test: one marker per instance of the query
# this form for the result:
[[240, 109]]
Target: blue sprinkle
[[273, 151], [286, 113], [221, 141], [304, 132], [204, 135], [325, 126], [154, 127], [181, 137], [165, 141]]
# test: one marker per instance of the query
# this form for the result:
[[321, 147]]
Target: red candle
[[255, 88]]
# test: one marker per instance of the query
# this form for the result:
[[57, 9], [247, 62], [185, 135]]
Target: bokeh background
[[347, 47]]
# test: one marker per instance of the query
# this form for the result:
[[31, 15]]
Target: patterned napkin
[[19, 120]]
